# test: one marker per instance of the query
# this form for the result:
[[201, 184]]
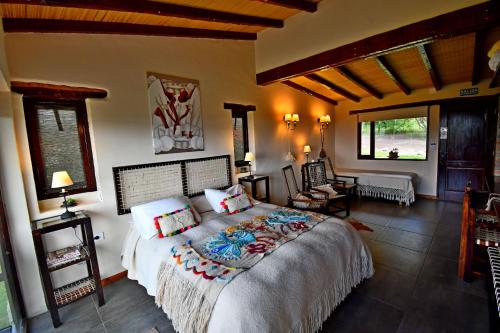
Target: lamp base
[[322, 153], [67, 215]]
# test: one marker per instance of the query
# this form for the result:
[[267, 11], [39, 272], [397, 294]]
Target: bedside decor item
[[253, 183], [291, 120], [307, 151], [49, 262], [324, 122], [62, 179], [249, 158], [175, 108]]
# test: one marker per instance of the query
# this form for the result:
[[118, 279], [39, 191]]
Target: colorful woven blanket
[[190, 283]]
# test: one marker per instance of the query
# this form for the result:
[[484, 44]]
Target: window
[[59, 139], [240, 136], [401, 139]]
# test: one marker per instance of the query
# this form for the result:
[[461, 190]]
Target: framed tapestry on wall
[[175, 109]]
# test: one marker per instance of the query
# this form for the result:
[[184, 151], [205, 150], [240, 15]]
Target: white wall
[[14, 196], [120, 124], [271, 135], [340, 22], [346, 134]]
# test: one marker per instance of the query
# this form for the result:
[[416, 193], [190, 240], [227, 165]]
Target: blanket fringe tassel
[[185, 306], [321, 309]]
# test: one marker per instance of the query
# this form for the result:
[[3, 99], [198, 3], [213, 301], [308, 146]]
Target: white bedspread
[[392, 185], [293, 289]]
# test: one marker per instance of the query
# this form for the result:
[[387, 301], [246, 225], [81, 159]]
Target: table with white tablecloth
[[391, 185]]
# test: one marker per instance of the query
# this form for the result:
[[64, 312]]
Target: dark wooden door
[[466, 146]]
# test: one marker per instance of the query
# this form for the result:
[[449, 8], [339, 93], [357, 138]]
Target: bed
[[294, 289], [391, 185]]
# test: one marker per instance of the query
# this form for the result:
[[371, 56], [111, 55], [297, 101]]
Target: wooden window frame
[[30, 108], [372, 145], [371, 156], [244, 115]]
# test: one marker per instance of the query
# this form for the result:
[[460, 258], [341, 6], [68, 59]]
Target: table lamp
[[307, 151], [62, 179], [249, 158]]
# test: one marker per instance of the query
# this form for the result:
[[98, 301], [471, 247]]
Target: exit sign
[[469, 91]]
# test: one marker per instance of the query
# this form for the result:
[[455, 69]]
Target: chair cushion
[[300, 204], [325, 188]]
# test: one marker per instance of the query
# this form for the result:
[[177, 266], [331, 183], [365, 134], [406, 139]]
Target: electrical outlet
[[98, 236]]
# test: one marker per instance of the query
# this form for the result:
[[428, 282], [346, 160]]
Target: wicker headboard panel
[[136, 184]]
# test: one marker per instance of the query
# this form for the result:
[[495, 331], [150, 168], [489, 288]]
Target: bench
[[391, 185]]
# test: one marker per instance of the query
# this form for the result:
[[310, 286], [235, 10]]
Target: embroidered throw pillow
[[176, 222], [143, 215], [236, 203], [325, 188], [215, 197]]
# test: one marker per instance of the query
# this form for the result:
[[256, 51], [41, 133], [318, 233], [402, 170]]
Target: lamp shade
[[61, 179], [307, 149], [288, 117], [295, 117], [327, 118], [249, 157]]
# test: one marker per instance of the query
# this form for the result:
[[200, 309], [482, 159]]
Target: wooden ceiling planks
[[392, 74], [246, 7], [77, 14], [333, 87], [342, 70], [371, 74], [425, 55], [456, 23], [454, 58], [305, 82], [408, 65], [87, 27], [334, 76], [309, 91]]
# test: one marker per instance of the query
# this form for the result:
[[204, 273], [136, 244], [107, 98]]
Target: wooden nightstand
[[253, 182], [59, 297]]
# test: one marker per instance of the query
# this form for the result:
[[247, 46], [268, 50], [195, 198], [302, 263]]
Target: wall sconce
[[291, 120], [307, 151], [324, 122]]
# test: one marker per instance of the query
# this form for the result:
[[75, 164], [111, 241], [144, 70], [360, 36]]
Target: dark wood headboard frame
[[227, 177]]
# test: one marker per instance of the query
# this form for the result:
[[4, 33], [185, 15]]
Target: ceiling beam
[[423, 50], [333, 87], [309, 91], [342, 70], [293, 4], [93, 27], [47, 90], [391, 74], [448, 25], [159, 9], [476, 61]]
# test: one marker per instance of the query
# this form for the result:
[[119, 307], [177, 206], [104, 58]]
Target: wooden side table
[[253, 182], [56, 298]]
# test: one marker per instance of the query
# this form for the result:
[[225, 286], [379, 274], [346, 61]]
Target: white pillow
[[215, 197], [143, 215], [326, 188], [201, 204]]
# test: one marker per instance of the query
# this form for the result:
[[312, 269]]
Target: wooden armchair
[[343, 184], [314, 175], [302, 199]]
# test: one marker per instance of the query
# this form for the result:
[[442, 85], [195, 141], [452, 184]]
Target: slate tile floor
[[415, 288]]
